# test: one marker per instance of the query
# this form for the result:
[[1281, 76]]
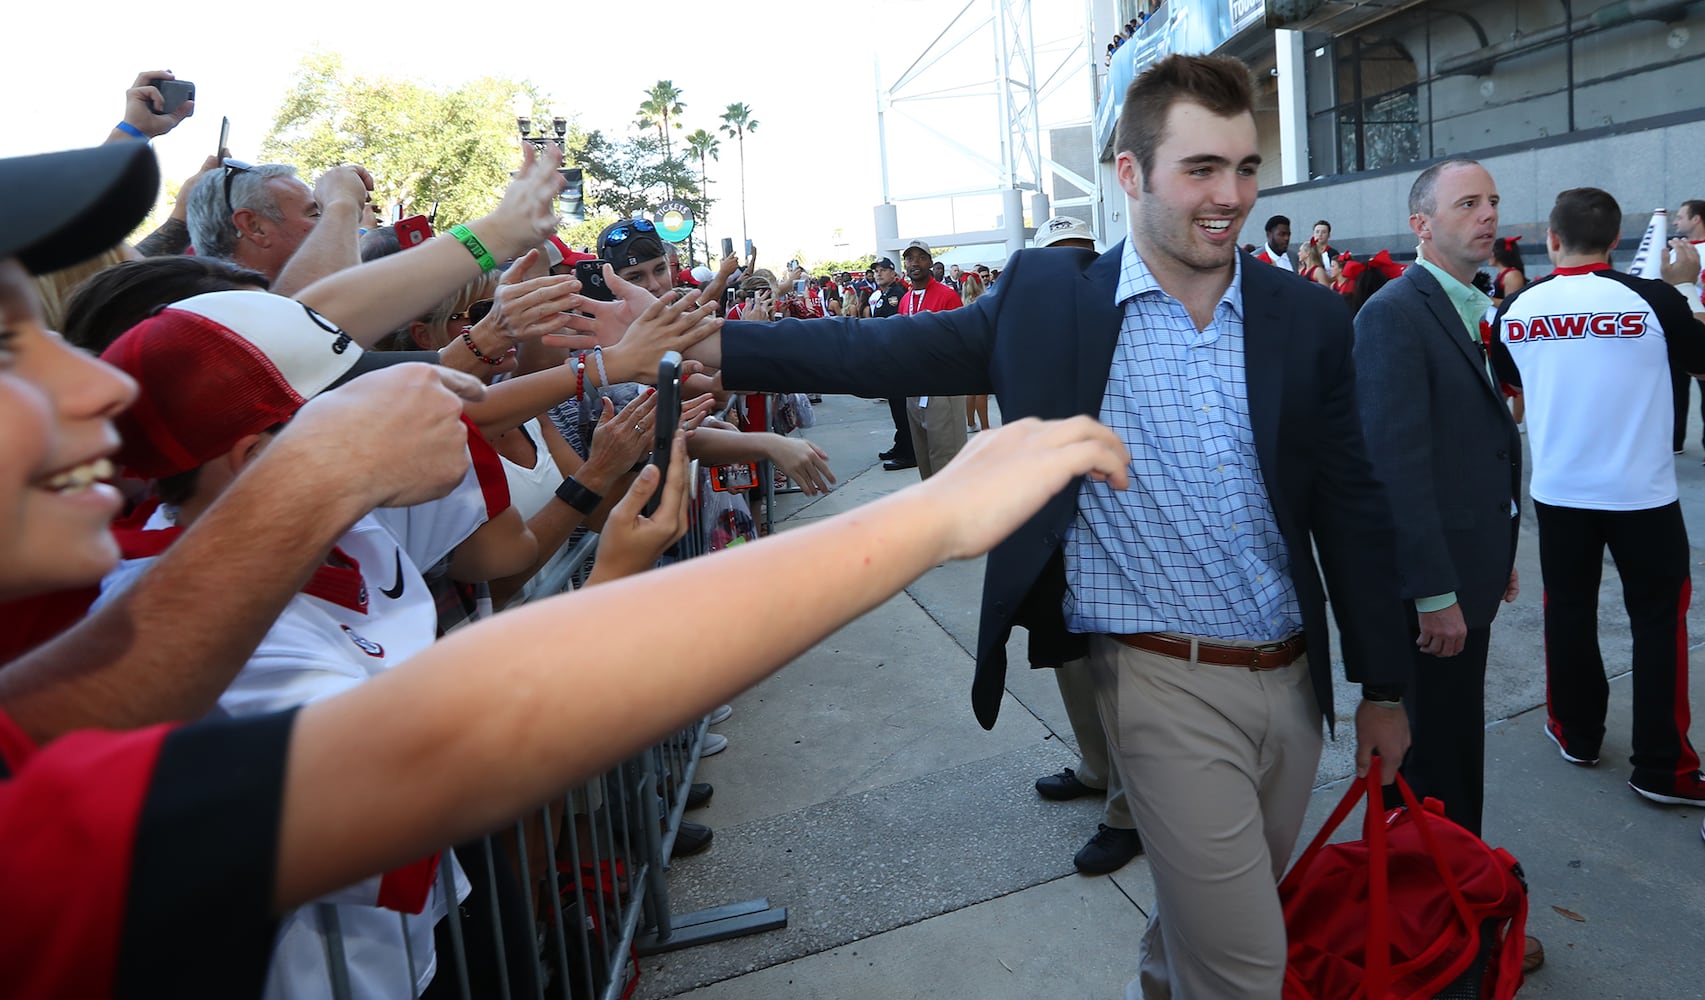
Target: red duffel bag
[[1419, 907]]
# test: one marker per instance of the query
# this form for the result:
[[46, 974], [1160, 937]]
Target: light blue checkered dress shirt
[[1193, 546]]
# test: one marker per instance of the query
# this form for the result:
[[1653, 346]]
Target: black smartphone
[[727, 247], [173, 93], [591, 276], [668, 419], [224, 138]]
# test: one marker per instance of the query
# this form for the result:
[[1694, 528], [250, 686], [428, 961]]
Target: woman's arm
[[496, 718]]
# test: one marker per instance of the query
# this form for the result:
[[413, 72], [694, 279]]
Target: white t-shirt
[[530, 489], [1593, 347], [352, 621]]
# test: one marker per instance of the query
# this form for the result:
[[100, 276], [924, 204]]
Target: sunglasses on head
[[621, 234], [232, 169]]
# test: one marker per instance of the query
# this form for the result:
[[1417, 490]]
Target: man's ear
[[1420, 227], [1130, 174], [250, 225]]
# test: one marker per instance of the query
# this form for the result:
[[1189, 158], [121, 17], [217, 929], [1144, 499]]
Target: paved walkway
[[916, 860]]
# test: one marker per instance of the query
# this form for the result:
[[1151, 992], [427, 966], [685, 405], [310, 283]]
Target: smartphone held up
[[668, 419]]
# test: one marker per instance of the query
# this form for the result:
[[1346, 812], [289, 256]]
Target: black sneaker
[[1108, 851], [1576, 757], [699, 793], [690, 839], [1683, 790]]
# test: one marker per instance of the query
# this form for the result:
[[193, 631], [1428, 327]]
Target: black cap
[[63, 208], [884, 262], [629, 242]]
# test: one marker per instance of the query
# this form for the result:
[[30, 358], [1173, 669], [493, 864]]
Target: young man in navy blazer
[[1195, 594]]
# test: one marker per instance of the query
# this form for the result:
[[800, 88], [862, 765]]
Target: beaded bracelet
[[468, 338], [580, 376]]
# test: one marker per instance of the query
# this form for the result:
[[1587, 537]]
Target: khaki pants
[[1077, 691], [1217, 762], [938, 431]]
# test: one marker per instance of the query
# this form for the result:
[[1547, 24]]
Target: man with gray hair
[[266, 219]]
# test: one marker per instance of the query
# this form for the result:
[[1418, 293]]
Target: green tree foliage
[[421, 144], [628, 176]]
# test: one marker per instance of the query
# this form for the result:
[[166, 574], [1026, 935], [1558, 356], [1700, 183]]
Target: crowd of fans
[[258, 509], [1129, 31], [274, 477]]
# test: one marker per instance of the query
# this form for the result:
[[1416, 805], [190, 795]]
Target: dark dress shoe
[[699, 793], [691, 838], [1065, 786], [1108, 851], [895, 465], [886, 456]]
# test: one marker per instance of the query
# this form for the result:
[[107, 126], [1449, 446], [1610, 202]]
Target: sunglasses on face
[[232, 169], [474, 313]]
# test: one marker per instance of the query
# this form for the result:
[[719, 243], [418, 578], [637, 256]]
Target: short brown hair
[[1586, 220], [1220, 84]]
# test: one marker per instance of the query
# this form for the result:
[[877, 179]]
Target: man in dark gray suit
[[1443, 443]]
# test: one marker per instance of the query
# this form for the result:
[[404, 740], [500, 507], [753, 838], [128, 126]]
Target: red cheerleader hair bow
[[1383, 263]]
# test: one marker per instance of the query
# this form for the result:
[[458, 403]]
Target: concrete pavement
[[916, 860]]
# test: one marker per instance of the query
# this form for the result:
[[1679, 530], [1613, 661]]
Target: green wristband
[[482, 256]]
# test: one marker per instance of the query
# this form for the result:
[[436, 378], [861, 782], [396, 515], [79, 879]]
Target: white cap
[[1062, 227], [917, 245]]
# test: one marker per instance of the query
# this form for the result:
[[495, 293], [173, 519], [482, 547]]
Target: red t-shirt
[[142, 863], [937, 297]]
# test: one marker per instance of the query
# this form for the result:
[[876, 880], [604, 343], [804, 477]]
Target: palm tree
[[736, 122], [662, 103], [704, 144]]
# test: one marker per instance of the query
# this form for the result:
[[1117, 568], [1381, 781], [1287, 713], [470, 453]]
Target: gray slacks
[[1077, 691], [938, 431]]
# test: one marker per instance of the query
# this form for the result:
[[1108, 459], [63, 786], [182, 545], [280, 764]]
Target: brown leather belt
[[1266, 656]]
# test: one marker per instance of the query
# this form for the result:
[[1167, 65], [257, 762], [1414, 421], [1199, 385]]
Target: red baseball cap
[[215, 368]]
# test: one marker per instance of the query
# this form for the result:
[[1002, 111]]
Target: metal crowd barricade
[[564, 904]]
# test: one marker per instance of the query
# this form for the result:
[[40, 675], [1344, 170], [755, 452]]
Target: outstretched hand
[[529, 306], [1007, 474], [666, 325], [631, 542], [603, 324]]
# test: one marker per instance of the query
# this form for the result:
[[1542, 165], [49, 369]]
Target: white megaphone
[[1649, 259]]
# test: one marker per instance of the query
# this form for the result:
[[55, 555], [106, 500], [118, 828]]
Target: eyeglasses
[[621, 234], [232, 169]]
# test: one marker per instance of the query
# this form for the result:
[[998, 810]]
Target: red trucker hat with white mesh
[[216, 368]]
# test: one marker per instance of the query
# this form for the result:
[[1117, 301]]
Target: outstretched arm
[[439, 739]]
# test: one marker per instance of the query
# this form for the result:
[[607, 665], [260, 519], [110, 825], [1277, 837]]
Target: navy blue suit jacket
[[1042, 341]]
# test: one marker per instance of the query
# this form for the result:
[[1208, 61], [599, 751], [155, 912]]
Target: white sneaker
[[714, 743], [720, 714]]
